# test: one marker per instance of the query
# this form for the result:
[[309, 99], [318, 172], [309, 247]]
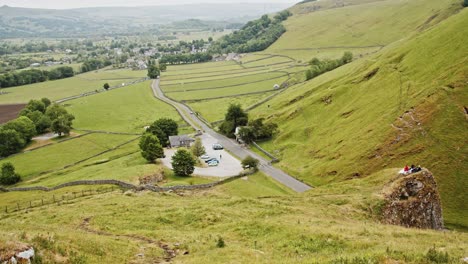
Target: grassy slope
[[128, 109], [328, 225], [352, 136], [76, 85], [363, 23]]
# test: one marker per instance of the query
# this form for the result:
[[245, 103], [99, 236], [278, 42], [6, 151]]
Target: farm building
[[180, 141]]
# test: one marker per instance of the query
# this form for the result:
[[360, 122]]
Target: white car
[[205, 157], [213, 163]]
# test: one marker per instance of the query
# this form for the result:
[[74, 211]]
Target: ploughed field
[[9, 112]]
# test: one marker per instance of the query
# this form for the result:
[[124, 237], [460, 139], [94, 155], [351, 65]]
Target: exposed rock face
[[413, 201], [17, 253]]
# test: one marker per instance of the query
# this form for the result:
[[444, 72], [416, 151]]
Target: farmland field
[[127, 109], [78, 84], [9, 112]]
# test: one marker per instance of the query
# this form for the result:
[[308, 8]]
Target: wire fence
[[56, 199]]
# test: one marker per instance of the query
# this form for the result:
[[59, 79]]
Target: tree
[[247, 134], [168, 126], [183, 164], [61, 120], [465, 4], [106, 86], [8, 175], [10, 142], [157, 131], [46, 102], [40, 120], [23, 126], [150, 147], [153, 71], [347, 57], [250, 162], [235, 117], [197, 148], [163, 66]]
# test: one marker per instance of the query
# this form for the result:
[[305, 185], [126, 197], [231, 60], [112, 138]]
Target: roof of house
[[175, 140]]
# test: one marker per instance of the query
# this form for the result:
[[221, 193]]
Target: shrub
[[8, 175], [435, 256], [220, 243], [250, 162]]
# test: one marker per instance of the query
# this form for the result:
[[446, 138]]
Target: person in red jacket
[[406, 170]]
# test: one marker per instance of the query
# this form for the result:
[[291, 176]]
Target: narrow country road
[[230, 144]]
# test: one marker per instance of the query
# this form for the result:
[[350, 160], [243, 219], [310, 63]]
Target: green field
[[328, 225], [63, 88], [127, 109], [56, 156], [215, 109]]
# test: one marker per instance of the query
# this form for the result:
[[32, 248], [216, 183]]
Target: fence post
[[42, 201], [6, 209], [17, 204], [30, 204]]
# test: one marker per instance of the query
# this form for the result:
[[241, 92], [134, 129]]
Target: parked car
[[217, 146], [213, 163], [211, 159], [205, 157]]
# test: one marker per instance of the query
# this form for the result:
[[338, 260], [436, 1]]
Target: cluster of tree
[[8, 176], [34, 76], [153, 70], [257, 130], [156, 137], [94, 64], [319, 67], [186, 58], [37, 117], [465, 3], [235, 117], [256, 35]]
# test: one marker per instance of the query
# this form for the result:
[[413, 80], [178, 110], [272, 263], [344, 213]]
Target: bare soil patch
[[9, 112]]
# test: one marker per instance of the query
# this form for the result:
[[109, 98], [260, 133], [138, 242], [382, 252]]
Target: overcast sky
[[63, 4]]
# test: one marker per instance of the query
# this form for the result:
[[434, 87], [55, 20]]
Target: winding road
[[230, 144]]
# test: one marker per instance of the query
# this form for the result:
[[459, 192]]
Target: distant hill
[[83, 22], [403, 104]]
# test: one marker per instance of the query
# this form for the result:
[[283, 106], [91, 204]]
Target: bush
[[8, 175], [250, 163], [220, 243], [435, 256]]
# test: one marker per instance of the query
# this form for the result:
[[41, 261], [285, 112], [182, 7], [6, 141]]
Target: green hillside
[[403, 105], [325, 28]]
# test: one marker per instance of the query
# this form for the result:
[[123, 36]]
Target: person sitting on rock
[[406, 169], [412, 169]]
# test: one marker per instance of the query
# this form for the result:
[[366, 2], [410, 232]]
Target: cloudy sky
[[62, 4]]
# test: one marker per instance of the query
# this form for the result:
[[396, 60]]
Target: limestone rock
[[413, 201]]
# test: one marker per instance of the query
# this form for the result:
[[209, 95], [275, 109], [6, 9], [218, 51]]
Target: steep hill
[[323, 28], [406, 104]]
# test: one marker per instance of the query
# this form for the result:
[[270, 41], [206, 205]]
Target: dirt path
[[168, 251]]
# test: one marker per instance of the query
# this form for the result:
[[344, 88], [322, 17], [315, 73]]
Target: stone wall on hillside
[[413, 201]]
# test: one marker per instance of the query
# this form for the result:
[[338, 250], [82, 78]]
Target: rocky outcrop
[[413, 201], [17, 253]]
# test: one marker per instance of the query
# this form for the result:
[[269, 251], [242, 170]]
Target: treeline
[[256, 35], [319, 67], [94, 64], [37, 117], [34, 76], [186, 58]]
